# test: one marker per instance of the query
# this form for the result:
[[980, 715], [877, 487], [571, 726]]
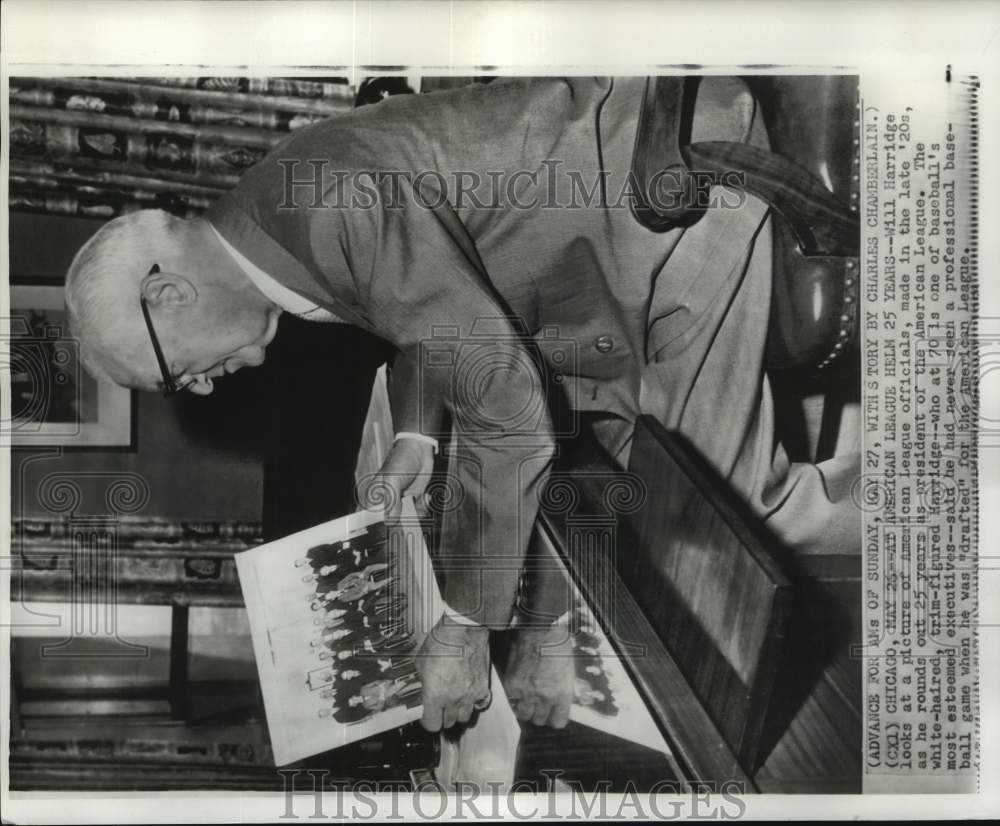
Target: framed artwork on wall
[[53, 399]]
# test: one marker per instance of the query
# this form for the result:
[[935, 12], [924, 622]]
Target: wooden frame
[[697, 747], [699, 603], [708, 580]]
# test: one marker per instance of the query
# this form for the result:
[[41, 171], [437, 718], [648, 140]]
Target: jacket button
[[604, 344]]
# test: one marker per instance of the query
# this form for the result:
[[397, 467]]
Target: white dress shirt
[[290, 301], [287, 299]]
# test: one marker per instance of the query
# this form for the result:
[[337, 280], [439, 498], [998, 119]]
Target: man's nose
[[201, 386], [247, 357]]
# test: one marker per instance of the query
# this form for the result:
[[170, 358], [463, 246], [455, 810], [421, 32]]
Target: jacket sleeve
[[414, 411], [419, 278]]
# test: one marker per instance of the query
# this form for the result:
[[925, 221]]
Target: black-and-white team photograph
[[499, 432]]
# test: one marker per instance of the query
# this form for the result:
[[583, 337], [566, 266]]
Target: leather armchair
[[809, 178]]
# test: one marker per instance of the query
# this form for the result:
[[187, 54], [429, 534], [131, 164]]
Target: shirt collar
[[287, 299]]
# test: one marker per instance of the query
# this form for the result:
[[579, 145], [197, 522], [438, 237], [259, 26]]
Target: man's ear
[[168, 289]]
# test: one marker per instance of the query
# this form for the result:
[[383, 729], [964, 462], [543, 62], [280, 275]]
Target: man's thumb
[[382, 492]]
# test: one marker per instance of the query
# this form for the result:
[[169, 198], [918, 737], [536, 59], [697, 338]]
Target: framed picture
[[337, 613], [53, 399]]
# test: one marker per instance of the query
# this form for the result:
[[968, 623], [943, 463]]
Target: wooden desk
[[703, 599]]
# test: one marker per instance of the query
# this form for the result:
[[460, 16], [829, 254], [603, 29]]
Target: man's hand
[[453, 664], [405, 472], [540, 674]]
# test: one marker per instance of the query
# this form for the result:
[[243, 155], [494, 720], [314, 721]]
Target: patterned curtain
[[98, 147]]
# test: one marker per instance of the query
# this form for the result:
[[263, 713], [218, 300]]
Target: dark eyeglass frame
[[171, 384]]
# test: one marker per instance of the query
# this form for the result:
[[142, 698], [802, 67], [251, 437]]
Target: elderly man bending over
[[472, 229]]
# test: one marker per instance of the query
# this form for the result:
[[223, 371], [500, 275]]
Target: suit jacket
[[486, 232]]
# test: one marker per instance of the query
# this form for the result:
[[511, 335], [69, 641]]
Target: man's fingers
[[383, 493], [432, 718], [395, 506], [541, 715], [525, 709], [405, 472], [416, 485], [483, 702], [376, 491], [452, 656], [560, 715]]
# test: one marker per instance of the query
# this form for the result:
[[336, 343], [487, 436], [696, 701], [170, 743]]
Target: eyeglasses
[[171, 384]]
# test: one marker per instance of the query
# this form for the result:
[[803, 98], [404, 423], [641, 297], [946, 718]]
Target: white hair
[[102, 284]]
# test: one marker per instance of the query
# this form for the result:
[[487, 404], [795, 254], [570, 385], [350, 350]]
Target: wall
[[200, 456]]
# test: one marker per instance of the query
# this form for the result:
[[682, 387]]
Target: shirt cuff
[[518, 620], [420, 437], [458, 618]]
